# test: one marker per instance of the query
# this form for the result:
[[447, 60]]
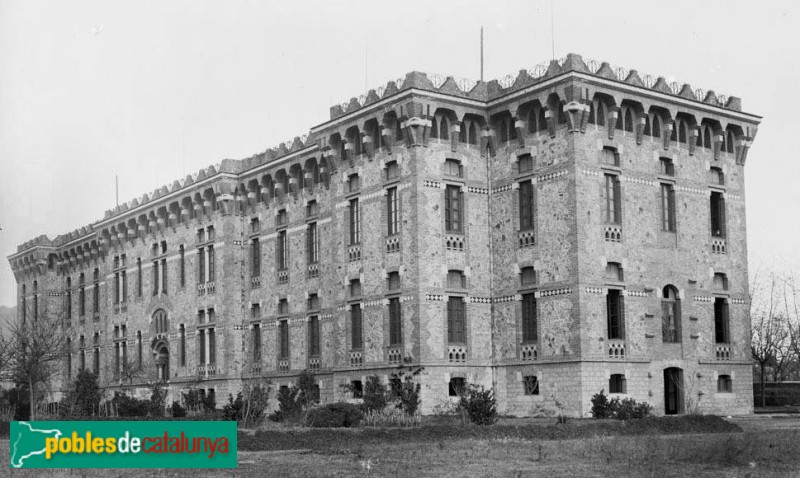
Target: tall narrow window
[[155, 277], [117, 287], [721, 330], [201, 346], [717, 214], [313, 336], [283, 329], [182, 265], [526, 219], [201, 266], [392, 219], [95, 299], [164, 271], [356, 336], [255, 257], [355, 222], [256, 342], [615, 313], [453, 209], [281, 252], [529, 323], [670, 315], [667, 207], [139, 277], [182, 331], [612, 199], [312, 243], [212, 346], [124, 286], [456, 320], [395, 322], [82, 301], [211, 273], [139, 349]]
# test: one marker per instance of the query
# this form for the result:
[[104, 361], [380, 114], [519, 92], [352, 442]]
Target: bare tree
[[131, 369], [793, 313], [37, 348], [769, 332]]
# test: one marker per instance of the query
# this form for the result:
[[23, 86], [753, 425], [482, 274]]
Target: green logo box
[[123, 444]]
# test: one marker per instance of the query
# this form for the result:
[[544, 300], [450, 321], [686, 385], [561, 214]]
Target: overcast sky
[[155, 90]]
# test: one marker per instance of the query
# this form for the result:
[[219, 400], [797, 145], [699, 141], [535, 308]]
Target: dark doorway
[[673, 387]]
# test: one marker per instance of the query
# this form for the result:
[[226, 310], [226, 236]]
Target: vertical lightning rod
[[481, 53]]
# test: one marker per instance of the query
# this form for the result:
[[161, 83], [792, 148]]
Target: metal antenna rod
[[481, 53], [552, 32]]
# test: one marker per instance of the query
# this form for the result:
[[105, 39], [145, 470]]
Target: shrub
[[626, 409], [177, 410], [255, 402], [289, 407], [405, 391], [479, 405], [391, 417], [84, 395], [375, 394], [233, 410], [158, 399], [308, 389], [340, 414], [129, 406], [197, 402]]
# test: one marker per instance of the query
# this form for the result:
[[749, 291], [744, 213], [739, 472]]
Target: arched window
[[647, 126], [670, 315], [620, 115], [160, 321], [532, 120], [434, 128], [628, 121], [444, 132], [706, 137], [656, 126], [681, 132], [462, 134], [591, 113], [503, 131], [601, 114], [729, 141], [542, 120], [674, 135], [473, 134]]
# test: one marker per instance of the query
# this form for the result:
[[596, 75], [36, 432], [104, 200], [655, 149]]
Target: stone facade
[[573, 197]]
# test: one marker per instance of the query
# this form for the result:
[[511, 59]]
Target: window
[[392, 216], [82, 300], [667, 167], [355, 288], [531, 384], [201, 235], [529, 323], [201, 346], [139, 276], [721, 330], [201, 316], [312, 243], [209, 232], [355, 222], [612, 199], [716, 176], [527, 276], [614, 272], [164, 275], [282, 252], [526, 219], [182, 264], [456, 280], [282, 218], [210, 254], [392, 170], [356, 337], [283, 307], [667, 207], [124, 286], [313, 336], [201, 266], [139, 348], [358, 388], [670, 315], [160, 322], [155, 277], [525, 163], [724, 384], [255, 225], [283, 329], [717, 214], [182, 331], [312, 208], [212, 346], [353, 183], [610, 156], [456, 320], [615, 313], [456, 386], [395, 322], [452, 167], [394, 281], [255, 257], [313, 302], [256, 342], [453, 209], [617, 383], [720, 281]]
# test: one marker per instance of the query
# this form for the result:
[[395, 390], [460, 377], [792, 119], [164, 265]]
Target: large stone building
[[570, 228]]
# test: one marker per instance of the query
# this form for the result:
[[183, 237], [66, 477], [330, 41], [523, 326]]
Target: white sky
[[155, 90]]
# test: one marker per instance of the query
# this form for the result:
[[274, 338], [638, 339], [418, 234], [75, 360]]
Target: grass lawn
[[686, 446]]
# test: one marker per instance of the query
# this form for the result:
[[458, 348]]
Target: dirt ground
[[768, 447]]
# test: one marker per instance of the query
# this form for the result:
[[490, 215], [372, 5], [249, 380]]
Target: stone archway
[[161, 352]]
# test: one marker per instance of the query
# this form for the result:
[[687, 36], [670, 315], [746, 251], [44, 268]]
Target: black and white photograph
[[399, 238]]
